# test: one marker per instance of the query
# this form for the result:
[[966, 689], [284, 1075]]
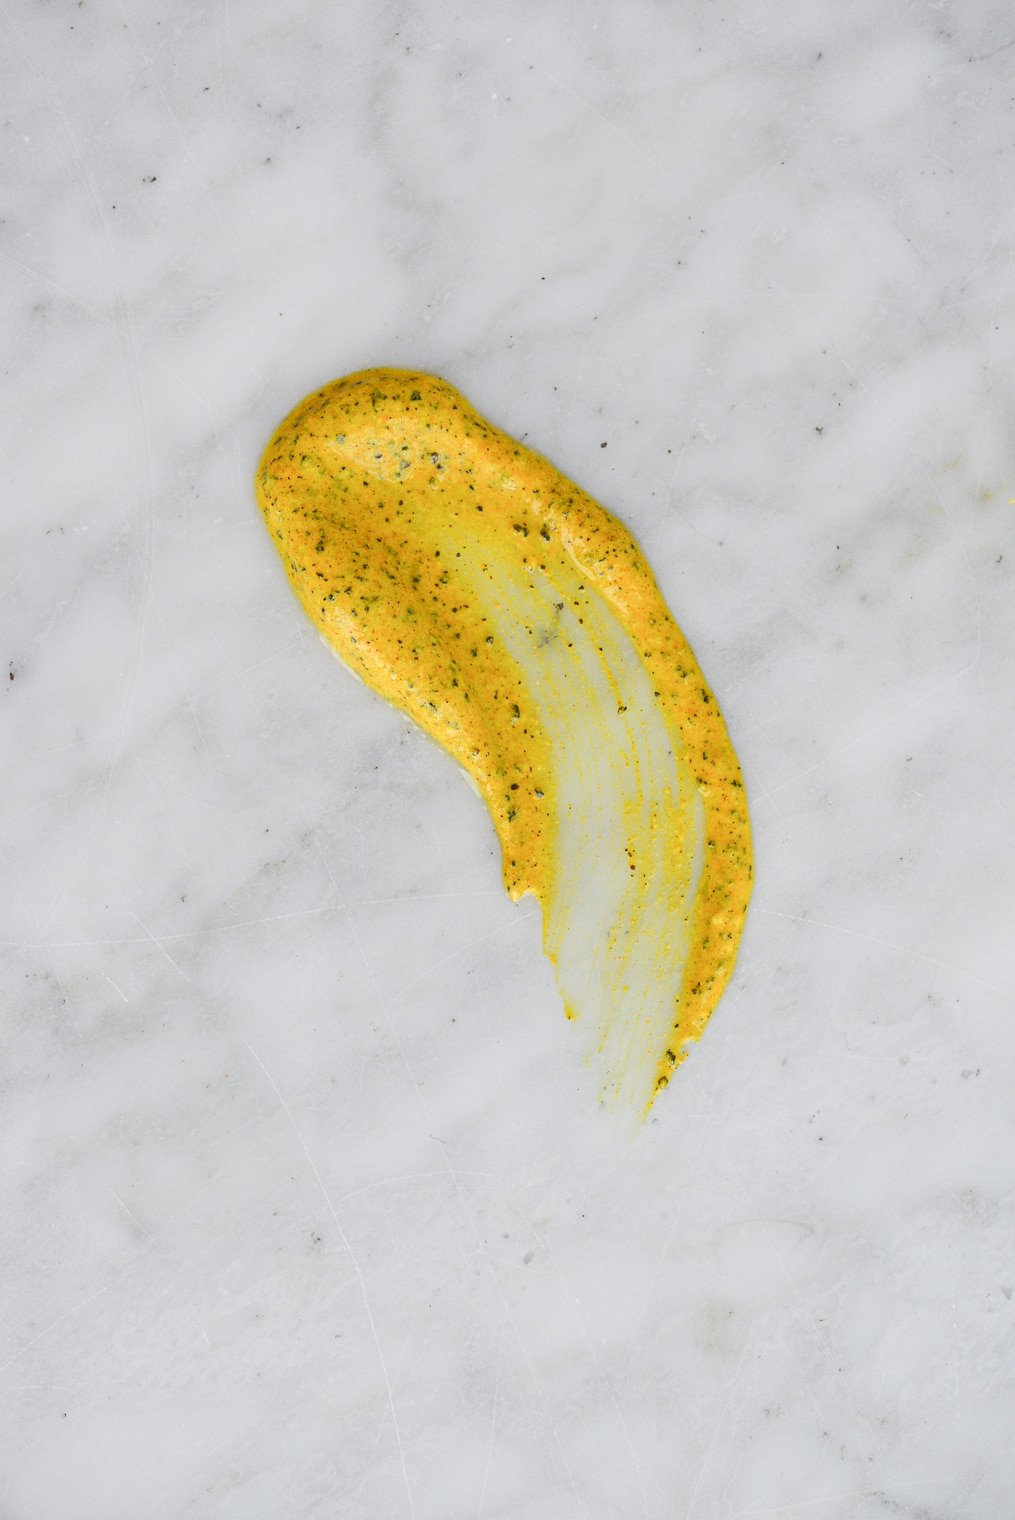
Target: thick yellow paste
[[469, 582]]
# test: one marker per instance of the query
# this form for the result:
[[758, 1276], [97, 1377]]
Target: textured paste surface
[[474, 586]]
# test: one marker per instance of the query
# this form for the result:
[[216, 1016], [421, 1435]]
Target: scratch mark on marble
[[546, 1246], [914, 458], [893, 717], [625, 137], [47, 280], [133, 365], [992, 322], [225, 225], [463, 1203], [452, 955], [720, 1422], [156, 81], [189, 702], [833, 1364], [489, 1444], [415, 1178], [446, 232], [114, 986], [1002, 47], [60, 1319], [887, 944], [156, 941], [982, 261], [759, 788], [368, 1462], [364, 1295], [851, 1496], [177, 936], [704, 1133], [130, 1214]]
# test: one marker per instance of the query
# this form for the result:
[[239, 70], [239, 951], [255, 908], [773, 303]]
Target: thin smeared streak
[[629, 823]]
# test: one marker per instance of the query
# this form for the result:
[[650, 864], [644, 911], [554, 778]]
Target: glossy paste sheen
[[483, 593]]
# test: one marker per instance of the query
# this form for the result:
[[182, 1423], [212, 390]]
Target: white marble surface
[[308, 1208]]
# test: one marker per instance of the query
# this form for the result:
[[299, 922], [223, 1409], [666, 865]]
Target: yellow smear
[[487, 596]]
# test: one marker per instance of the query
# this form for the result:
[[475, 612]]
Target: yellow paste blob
[[487, 596]]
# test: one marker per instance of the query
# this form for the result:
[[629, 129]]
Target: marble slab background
[[308, 1209]]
